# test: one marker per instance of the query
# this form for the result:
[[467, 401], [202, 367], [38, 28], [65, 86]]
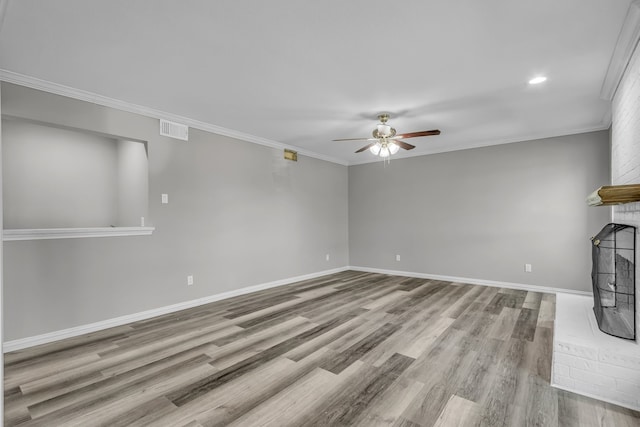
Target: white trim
[[22, 343], [481, 282], [607, 119], [490, 143], [73, 233], [626, 44], [83, 95], [593, 396]]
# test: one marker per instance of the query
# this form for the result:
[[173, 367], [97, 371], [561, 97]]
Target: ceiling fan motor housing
[[384, 131]]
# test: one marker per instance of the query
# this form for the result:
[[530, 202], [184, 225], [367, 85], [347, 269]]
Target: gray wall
[[238, 215], [65, 178], [483, 213], [133, 183], [57, 178], [1, 266]]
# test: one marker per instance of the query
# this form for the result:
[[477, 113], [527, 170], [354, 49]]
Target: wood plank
[[282, 381], [390, 298], [193, 391], [503, 325], [525, 327], [230, 401], [101, 408], [547, 314], [614, 195], [159, 406], [459, 412], [324, 340], [288, 406], [424, 339], [533, 300], [236, 352], [458, 307], [360, 348], [111, 386], [389, 406], [348, 404], [403, 422]]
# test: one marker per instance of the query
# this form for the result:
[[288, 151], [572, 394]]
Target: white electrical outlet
[[327, 257], [527, 268], [397, 257], [189, 280], [165, 199]]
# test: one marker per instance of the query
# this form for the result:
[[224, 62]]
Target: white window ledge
[[74, 233]]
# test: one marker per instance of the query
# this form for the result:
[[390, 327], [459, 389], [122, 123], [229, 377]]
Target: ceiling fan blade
[[353, 139], [403, 144], [366, 147], [417, 134]]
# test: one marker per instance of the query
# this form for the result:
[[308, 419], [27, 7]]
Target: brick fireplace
[[585, 360]]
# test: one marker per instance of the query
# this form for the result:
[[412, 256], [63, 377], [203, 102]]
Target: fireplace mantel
[[614, 195]]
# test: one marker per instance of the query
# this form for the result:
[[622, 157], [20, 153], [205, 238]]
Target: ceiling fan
[[385, 140]]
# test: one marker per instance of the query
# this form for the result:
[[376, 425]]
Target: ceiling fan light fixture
[[537, 80], [384, 130], [393, 148], [375, 149], [384, 152]]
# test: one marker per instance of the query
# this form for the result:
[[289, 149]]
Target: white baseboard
[[23, 343], [593, 396], [482, 282]]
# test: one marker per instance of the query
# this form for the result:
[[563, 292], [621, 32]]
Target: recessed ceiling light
[[537, 80]]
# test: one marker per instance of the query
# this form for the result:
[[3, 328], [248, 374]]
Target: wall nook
[[58, 178]]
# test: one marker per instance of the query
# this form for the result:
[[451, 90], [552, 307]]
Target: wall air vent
[[174, 130]]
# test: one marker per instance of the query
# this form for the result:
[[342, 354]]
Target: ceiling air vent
[[174, 130]]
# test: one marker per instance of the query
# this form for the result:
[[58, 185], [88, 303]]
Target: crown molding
[[489, 143], [625, 46], [83, 95], [607, 119]]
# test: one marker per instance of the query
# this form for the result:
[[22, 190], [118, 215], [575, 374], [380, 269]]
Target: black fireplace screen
[[613, 277]]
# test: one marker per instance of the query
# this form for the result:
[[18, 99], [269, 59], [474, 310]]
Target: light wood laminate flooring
[[352, 348]]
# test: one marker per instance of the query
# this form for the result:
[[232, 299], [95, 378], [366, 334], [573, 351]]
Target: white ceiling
[[303, 73]]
